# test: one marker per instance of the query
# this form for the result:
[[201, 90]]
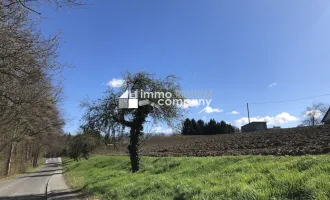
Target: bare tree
[[105, 112], [32, 5], [313, 114], [29, 111]]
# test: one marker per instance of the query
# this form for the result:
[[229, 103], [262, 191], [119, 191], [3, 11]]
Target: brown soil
[[290, 141]]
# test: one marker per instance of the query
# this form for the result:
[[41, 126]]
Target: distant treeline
[[191, 127]]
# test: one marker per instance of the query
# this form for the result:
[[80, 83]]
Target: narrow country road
[[46, 183]]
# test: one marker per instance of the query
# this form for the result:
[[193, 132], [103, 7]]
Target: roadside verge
[[57, 187]]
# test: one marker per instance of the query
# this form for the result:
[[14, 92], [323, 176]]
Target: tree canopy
[[313, 114], [105, 113]]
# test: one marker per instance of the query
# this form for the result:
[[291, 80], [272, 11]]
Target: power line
[[282, 101], [290, 99]]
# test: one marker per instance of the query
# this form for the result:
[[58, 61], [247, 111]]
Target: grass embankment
[[228, 177]]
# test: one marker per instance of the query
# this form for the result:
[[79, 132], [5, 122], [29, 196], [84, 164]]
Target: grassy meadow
[[226, 177]]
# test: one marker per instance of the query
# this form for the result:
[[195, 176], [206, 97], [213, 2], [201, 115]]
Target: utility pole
[[247, 106]]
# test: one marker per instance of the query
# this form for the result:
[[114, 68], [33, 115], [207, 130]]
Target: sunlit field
[[227, 177]]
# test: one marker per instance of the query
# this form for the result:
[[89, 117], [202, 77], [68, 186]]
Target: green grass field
[[227, 177]]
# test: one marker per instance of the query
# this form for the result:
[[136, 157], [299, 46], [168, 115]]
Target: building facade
[[326, 118], [254, 126]]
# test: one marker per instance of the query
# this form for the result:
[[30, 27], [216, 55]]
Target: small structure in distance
[[254, 126], [326, 118]]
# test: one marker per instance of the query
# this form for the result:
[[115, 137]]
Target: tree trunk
[[135, 132], [133, 149], [35, 159], [22, 166], [122, 129], [35, 162], [27, 152], [9, 158], [14, 157]]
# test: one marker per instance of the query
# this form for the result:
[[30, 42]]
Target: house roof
[[326, 114], [255, 123]]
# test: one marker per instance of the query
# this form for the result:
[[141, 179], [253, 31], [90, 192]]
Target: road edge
[[48, 190]]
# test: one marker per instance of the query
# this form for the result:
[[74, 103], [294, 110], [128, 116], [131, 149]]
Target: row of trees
[[30, 119], [191, 127]]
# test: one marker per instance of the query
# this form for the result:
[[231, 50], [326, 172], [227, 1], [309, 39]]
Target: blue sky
[[235, 48]]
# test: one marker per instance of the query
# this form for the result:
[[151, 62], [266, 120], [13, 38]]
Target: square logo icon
[[133, 103], [123, 103]]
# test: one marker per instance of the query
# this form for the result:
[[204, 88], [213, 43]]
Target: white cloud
[[209, 109], [160, 129], [115, 83], [190, 103], [234, 112], [279, 119], [272, 85], [316, 113]]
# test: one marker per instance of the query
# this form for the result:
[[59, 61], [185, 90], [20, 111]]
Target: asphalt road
[[46, 183]]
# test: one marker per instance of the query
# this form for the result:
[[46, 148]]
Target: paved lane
[[32, 186]]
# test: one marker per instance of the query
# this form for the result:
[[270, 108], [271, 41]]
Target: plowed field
[[290, 141]]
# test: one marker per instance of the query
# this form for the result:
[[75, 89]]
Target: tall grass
[[229, 177]]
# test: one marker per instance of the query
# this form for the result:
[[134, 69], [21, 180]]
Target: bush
[[82, 145]]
